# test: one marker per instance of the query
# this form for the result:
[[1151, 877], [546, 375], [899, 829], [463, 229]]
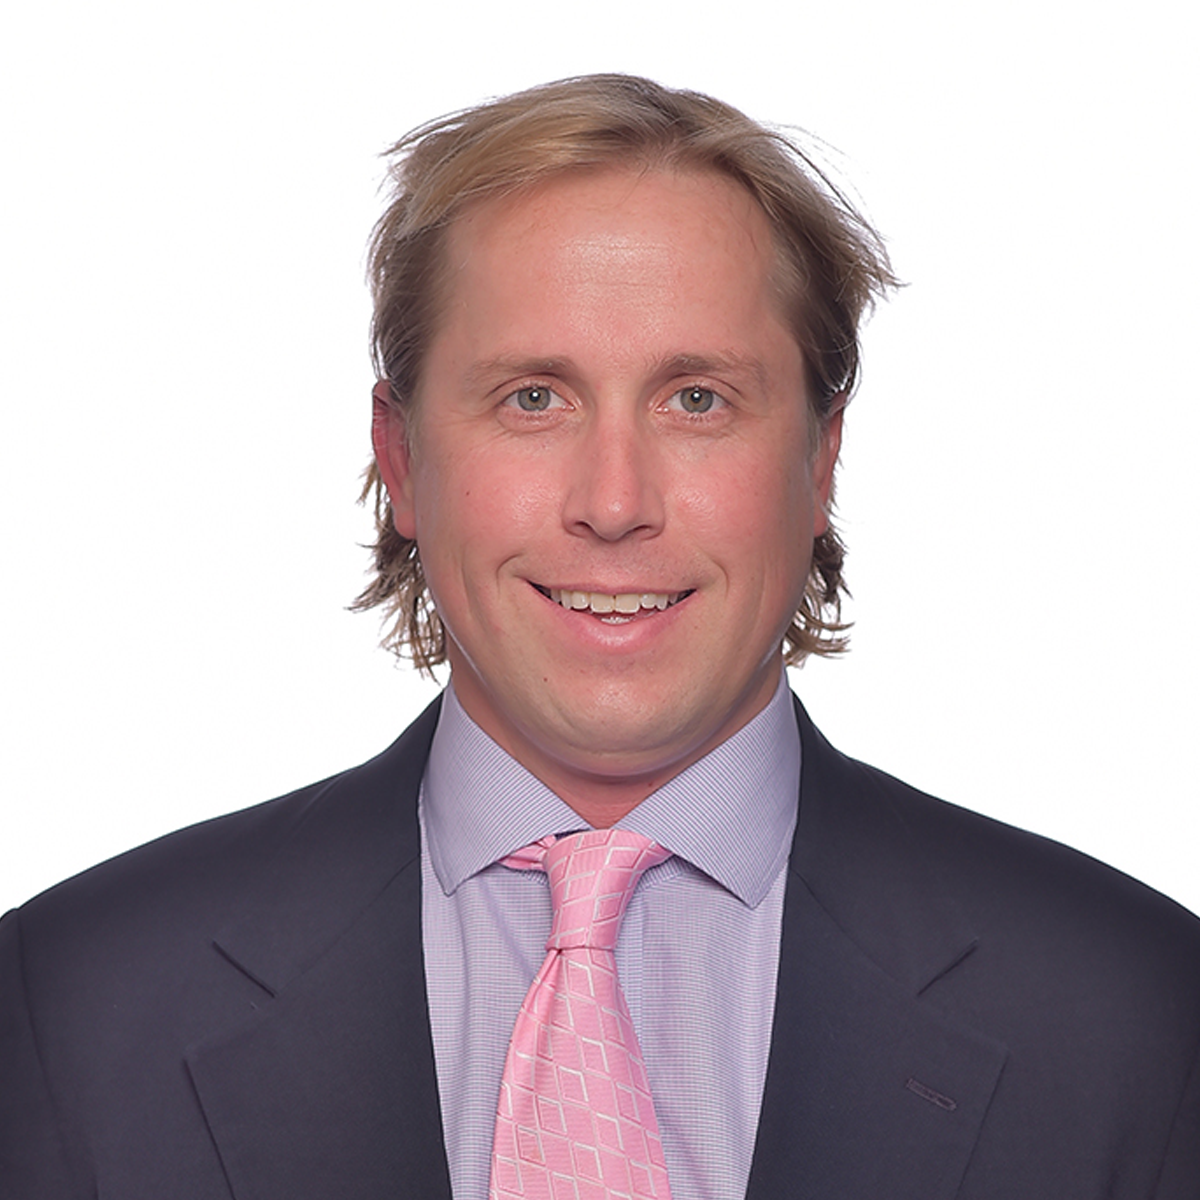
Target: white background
[[187, 193]]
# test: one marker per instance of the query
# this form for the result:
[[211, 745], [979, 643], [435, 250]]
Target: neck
[[603, 789]]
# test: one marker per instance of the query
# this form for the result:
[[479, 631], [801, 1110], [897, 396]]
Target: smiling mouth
[[613, 607]]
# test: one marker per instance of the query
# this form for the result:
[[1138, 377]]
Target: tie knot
[[592, 877]]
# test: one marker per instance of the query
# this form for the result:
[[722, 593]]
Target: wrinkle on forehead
[[600, 254], [526, 208]]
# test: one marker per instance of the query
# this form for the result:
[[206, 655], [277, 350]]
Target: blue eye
[[533, 399], [697, 399]]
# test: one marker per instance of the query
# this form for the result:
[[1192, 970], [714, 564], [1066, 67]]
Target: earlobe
[[389, 436], [824, 463]]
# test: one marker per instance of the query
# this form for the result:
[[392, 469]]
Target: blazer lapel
[[329, 1088], [871, 1091]]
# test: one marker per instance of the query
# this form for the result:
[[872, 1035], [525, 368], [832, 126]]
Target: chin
[[624, 735]]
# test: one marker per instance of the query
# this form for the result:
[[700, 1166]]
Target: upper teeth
[[606, 602]]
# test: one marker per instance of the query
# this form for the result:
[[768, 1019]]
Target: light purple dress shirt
[[698, 952]]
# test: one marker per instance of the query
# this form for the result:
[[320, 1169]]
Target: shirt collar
[[731, 814]]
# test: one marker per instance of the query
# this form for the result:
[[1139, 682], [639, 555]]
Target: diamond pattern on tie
[[575, 1120]]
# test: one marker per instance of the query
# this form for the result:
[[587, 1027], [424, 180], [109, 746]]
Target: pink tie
[[575, 1118]]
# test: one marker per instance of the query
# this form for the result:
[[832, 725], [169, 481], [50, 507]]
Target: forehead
[[619, 194], [630, 253]]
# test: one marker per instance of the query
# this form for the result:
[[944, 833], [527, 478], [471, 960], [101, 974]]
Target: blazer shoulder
[[883, 853], [1010, 875], [207, 874]]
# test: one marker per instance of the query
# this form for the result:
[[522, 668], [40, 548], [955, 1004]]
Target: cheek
[[478, 507], [754, 507]]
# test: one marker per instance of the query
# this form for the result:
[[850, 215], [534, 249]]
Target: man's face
[[610, 478]]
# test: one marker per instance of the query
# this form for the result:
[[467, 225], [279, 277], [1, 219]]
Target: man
[[616, 327]]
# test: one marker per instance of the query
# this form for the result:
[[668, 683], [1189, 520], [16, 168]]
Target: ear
[[389, 436], [824, 462]]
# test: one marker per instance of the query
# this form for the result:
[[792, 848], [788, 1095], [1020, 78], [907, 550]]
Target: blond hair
[[832, 267]]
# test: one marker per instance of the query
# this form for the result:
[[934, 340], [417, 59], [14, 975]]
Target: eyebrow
[[704, 364], [676, 364], [502, 368]]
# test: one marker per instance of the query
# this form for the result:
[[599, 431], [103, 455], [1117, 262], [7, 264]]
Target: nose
[[615, 490]]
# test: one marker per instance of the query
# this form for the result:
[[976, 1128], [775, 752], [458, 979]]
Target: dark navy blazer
[[238, 1010]]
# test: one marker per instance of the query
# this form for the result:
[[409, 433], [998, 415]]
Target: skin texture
[[612, 294]]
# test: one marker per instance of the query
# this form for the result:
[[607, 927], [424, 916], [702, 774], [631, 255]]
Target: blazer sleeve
[[1180, 1177], [33, 1159]]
